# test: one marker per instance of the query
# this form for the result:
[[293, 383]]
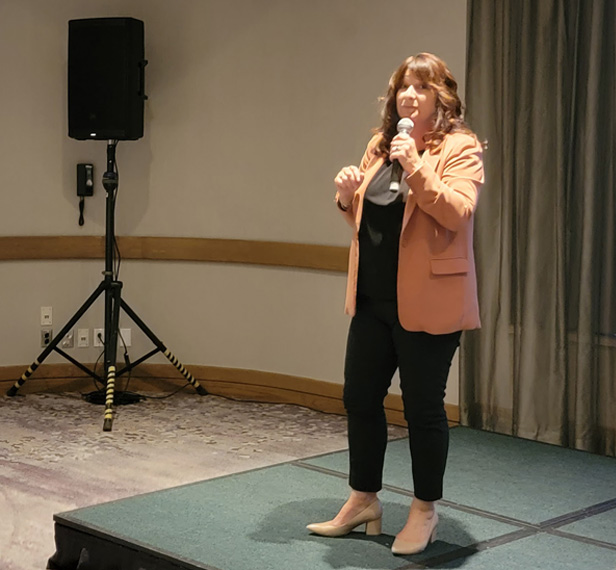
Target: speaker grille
[[105, 78]]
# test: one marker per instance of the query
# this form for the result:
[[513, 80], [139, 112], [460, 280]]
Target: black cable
[[168, 395], [115, 242], [89, 397], [121, 397], [102, 386], [81, 206], [126, 360]]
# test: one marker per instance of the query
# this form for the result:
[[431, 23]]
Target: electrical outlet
[[125, 337], [83, 338], [46, 337], [68, 341], [98, 335], [46, 316]]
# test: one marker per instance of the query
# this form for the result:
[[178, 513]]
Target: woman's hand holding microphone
[[404, 149]]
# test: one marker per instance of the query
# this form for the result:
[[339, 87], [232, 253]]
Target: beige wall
[[253, 107]]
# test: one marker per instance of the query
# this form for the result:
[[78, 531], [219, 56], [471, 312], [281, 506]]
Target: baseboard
[[236, 383]]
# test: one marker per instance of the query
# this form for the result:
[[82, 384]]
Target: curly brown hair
[[448, 118]]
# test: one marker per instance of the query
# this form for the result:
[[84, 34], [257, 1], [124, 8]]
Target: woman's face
[[416, 101]]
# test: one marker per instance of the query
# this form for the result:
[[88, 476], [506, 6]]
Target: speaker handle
[[141, 91]]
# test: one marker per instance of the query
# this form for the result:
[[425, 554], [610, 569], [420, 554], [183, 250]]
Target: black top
[[379, 237]]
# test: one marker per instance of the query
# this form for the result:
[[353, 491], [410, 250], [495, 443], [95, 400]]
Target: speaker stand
[[112, 288]]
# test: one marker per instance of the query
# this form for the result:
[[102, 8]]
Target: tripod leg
[[189, 377], [112, 322], [170, 356], [109, 395], [12, 391]]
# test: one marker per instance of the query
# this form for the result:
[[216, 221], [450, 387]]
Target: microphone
[[405, 125]]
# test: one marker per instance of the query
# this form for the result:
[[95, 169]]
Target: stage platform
[[509, 503]]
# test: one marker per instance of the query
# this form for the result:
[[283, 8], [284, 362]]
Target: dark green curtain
[[540, 89]]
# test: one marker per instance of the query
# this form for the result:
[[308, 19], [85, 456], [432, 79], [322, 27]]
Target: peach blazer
[[437, 285]]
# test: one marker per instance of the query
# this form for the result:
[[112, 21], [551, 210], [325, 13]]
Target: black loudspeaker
[[106, 78]]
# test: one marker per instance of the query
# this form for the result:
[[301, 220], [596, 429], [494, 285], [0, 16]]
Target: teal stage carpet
[[509, 504]]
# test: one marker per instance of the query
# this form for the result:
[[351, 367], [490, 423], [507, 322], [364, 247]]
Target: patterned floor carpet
[[55, 457]]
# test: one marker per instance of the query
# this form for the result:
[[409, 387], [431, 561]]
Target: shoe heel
[[373, 528]]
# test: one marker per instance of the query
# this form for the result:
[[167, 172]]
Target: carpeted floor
[[54, 456]]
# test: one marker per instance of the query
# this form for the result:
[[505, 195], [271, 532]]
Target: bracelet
[[340, 206]]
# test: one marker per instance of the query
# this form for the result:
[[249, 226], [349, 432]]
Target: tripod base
[[120, 398], [112, 289]]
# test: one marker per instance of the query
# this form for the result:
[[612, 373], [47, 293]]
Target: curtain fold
[[540, 89]]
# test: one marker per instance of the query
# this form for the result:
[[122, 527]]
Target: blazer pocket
[[451, 266]]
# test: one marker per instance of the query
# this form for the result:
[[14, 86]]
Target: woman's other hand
[[347, 181]]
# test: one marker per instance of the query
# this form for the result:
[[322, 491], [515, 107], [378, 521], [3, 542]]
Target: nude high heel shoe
[[403, 547], [371, 516]]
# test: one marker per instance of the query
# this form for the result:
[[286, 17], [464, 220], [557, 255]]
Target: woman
[[411, 290]]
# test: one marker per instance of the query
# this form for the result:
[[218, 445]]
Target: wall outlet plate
[[98, 334], [68, 341], [46, 337], [46, 316], [125, 338], [83, 338]]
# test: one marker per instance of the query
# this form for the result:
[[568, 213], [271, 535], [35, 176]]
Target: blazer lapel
[[359, 194], [432, 161]]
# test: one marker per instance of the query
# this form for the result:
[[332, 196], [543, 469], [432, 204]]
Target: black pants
[[377, 345]]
